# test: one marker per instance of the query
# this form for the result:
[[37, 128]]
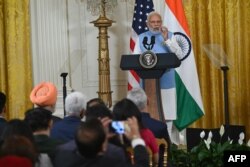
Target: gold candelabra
[[103, 54]]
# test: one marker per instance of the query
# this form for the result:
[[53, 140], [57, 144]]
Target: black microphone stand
[[225, 69], [64, 75]]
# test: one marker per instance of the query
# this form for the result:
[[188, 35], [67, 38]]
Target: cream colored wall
[[64, 40]]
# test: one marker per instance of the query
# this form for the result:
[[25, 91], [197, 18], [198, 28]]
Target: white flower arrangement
[[222, 130], [208, 141], [207, 152]]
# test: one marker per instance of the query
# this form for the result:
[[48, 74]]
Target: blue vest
[[167, 80]]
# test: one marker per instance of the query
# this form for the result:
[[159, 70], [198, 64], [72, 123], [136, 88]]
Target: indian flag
[[189, 101]]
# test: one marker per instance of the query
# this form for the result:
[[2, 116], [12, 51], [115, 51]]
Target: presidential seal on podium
[[148, 59]]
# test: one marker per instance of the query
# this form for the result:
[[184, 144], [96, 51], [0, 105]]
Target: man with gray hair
[[159, 129], [139, 97], [75, 106]]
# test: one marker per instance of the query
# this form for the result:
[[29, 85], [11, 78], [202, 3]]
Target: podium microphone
[[152, 42], [147, 45], [145, 42]]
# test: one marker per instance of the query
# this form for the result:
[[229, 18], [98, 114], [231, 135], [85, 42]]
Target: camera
[[117, 127]]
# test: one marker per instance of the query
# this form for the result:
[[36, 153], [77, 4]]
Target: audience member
[[19, 146], [17, 127], [160, 129], [40, 121], [2, 111], [14, 141], [91, 140], [44, 95], [125, 109], [115, 146], [69, 149], [75, 105], [15, 161], [98, 111], [95, 101]]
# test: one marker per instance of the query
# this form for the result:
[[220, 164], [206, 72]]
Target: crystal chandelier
[[95, 6]]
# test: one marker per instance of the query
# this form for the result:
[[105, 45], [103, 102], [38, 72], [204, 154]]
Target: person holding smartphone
[[69, 151], [125, 109], [92, 139]]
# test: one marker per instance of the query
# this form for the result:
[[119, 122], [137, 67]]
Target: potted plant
[[207, 153]]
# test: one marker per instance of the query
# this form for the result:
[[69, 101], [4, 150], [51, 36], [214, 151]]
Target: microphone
[[152, 42], [145, 42], [147, 45]]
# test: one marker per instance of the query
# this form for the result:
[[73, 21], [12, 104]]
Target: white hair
[[74, 103], [139, 97], [153, 13]]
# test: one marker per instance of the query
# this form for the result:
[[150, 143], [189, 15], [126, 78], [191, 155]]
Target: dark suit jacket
[[72, 158], [65, 129], [140, 156], [3, 122], [56, 119], [69, 151], [47, 145], [159, 129]]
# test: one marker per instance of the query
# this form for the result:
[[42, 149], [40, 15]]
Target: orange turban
[[44, 94]]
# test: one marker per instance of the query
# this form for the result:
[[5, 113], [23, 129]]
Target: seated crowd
[[90, 135]]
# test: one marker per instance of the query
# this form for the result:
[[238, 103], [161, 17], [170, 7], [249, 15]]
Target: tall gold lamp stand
[[103, 56]]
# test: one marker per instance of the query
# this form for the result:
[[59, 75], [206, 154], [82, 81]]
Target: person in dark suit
[[159, 129], [139, 97], [40, 122], [94, 102], [91, 140], [3, 121], [70, 152], [115, 146], [75, 106], [69, 149]]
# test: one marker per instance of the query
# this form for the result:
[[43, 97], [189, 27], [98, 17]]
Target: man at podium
[[159, 40]]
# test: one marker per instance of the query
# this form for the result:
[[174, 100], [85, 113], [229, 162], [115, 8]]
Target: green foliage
[[204, 154]]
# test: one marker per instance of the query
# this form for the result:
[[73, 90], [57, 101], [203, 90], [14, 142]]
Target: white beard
[[155, 31]]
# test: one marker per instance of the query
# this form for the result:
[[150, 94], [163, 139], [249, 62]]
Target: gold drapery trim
[[15, 58]]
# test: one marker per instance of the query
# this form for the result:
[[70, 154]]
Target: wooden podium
[[151, 78]]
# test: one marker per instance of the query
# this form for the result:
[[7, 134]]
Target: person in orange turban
[[45, 95]]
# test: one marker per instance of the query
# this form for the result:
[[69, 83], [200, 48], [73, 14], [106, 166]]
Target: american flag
[[141, 10]]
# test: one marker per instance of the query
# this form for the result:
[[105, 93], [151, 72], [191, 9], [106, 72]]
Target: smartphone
[[117, 127]]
